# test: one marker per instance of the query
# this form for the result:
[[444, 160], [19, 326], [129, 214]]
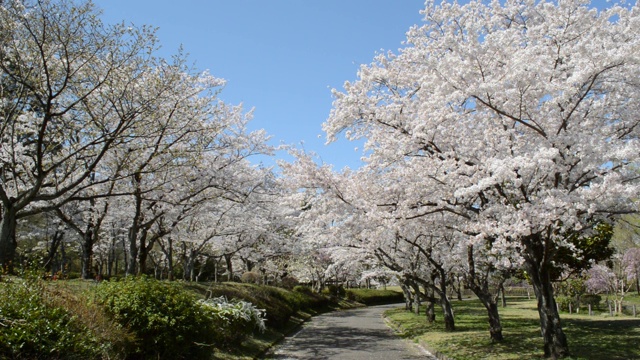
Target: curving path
[[357, 334]]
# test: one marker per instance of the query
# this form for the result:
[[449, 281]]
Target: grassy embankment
[[44, 312], [599, 336]]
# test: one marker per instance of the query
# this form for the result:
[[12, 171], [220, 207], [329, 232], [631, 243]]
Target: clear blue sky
[[281, 57]]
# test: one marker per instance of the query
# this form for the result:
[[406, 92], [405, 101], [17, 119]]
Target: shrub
[[593, 300], [164, 318], [234, 320], [336, 290], [289, 282], [32, 327], [303, 289], [375, 296], [564, 301], [251, 277]]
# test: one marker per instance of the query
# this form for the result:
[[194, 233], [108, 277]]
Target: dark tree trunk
[[8, 243], [52, 251], [248, 264], [447, 310], [144, 248], [112, 259], [431, 306], [503, 296], [538, 259], [227, 259], [480, 286], [142, 254], [135, 227], [87, 253], [169, 254], [408, 299], [132, 261], [416, 295], [495, 328]]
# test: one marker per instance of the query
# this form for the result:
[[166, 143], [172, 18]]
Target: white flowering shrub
[[234, 319]]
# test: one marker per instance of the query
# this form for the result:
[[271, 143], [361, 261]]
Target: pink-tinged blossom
[[631, 263], [601, 279]]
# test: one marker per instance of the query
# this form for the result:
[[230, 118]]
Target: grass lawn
[[590, 337]]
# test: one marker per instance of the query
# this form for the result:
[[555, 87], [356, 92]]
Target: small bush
[[251, 277], [233, 321], [336, 290], [289, 282], [564, 301], [303, 289], [593, 300], [32, 327], [375, 296], [165, 319]]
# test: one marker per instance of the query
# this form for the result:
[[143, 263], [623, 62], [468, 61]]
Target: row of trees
[[127, 154], [502, 137], [501, 140]]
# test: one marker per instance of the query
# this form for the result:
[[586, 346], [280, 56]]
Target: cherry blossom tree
[[631, 265], [520, 117], [58, 68], [602, 279]]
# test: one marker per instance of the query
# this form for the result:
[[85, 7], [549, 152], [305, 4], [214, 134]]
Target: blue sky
[[281, 57]]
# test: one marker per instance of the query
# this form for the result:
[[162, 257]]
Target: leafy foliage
[[374, 296], [165, 318], [31, 326], [585, 250], [233, 320]]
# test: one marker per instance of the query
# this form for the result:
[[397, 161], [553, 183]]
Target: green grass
[[590, 337]]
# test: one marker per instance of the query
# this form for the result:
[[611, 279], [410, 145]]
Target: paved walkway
[[358, 334]]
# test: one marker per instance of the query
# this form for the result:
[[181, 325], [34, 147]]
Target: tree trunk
[[431, 306], [416, 294], [52, 251], [8, 243], [87, 252], [449, 321], [248, 264], [480, 287], [169, 254], [227, 259], [132, 263], [537, 264], [135, 227], [143, 251], [408, 299], [495, 328]]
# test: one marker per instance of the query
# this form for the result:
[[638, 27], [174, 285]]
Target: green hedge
[[279, 304], [164, 318], [374, 296]]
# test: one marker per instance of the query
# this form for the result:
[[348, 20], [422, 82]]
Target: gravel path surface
[[357, 334]]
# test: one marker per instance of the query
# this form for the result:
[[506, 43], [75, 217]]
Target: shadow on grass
[[603, 339], [589, 338]]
